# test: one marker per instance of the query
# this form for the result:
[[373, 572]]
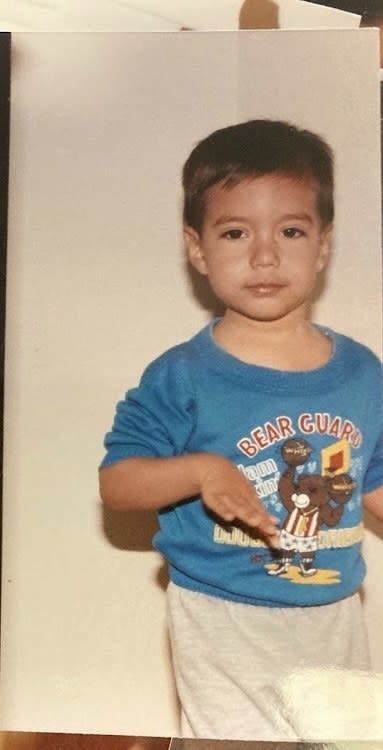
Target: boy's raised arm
[[153, 483]]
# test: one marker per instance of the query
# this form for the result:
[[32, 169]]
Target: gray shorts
[[236, 665]]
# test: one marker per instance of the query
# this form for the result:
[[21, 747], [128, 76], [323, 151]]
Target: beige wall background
[[97, 287]]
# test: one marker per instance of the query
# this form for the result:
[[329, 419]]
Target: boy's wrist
[[203, 465]]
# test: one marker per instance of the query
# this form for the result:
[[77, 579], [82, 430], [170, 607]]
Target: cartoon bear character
[[308, 502]]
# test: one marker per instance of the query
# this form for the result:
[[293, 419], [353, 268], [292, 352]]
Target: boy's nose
[[263, 252]]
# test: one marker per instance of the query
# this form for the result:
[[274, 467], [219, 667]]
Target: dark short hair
[[253, 149]]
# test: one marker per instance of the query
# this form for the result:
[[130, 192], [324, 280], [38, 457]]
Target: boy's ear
[[325, 247], [194, 251]]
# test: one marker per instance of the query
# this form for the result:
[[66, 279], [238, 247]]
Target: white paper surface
[[300, 15], [158, 15], [73, 15], [224, 14]]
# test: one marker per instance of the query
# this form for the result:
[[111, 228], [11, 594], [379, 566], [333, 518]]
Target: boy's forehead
[[280, 189]]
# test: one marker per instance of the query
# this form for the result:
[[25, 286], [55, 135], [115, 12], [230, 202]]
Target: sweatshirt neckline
[[271, 380]]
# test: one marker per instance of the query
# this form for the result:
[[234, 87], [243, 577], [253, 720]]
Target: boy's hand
[[230, 495]]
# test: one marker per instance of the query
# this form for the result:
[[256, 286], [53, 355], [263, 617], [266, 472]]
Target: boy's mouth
[[264, 290]]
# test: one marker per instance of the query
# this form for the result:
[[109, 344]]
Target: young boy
[[255, 441]]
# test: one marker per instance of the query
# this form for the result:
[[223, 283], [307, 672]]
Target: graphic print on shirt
[[310, 486], [307, 499]]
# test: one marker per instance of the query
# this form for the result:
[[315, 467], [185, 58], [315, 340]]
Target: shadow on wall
[[133, 531], [259, 14]]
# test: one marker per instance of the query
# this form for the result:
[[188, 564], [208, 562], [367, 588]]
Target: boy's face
[[261, 246]]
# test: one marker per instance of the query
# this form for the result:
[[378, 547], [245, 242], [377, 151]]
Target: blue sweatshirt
[[311, 443]]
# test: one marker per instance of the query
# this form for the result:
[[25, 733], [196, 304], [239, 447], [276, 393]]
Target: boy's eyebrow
[[228, 219], [245, 219], [301, 217]]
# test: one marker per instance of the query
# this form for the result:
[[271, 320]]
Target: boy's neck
[[290, 343]]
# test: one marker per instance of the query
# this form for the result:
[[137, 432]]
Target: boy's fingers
[[222, 506], [274, 541], [246, 508], [255, 514], [256, 517]]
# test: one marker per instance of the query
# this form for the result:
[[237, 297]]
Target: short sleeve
[[156, 418], [373, 477], [374, 474]]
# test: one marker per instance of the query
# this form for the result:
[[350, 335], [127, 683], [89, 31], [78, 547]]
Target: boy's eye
[[233, 234], [293, 233]]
